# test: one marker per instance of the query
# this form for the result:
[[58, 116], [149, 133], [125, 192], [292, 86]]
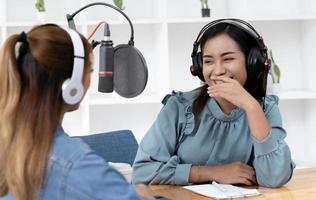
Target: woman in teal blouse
[[228, 130]]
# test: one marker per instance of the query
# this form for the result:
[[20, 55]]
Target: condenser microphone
[[106, 63], [122, 68]]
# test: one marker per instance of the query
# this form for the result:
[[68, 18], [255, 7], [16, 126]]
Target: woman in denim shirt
[[38, 160], [228, 130]]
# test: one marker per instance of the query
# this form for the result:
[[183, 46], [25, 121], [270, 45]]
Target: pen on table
[[218, 186]]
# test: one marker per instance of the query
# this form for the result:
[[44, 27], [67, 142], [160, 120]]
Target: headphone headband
[[77, 43], [72, 89], [236, 22]]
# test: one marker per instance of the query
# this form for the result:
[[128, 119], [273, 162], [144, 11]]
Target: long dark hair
[[246, 42], [31, 104]]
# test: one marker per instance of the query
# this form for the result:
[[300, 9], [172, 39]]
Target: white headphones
[[72, 89]]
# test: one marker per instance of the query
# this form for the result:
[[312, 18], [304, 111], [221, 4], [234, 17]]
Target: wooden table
[[301, 186]]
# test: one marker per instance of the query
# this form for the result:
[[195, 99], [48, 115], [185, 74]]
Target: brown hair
[[31, 105]]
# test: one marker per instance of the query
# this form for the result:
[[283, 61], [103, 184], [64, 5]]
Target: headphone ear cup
[[256, 63], [72, 91], [257, 71], [197, 66]]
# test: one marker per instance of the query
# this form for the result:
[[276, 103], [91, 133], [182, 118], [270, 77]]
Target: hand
[[231, 90], [233, 173], [143, 191]]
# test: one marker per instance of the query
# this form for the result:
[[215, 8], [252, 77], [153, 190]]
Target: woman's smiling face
[[222, 56]]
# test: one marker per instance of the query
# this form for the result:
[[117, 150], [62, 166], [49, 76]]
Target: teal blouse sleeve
[[272, 157], [156, 161]]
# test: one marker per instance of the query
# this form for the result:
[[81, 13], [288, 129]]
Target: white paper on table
[[229, 191]]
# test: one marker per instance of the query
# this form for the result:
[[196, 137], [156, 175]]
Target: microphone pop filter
[[130, 71]]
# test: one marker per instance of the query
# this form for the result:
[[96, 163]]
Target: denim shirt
[[75, 172]]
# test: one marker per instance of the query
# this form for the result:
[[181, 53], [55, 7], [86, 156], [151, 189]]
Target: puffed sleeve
[[91, 177], [156, 161], [272, 161]]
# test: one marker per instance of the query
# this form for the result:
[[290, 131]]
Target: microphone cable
[[95, 29]]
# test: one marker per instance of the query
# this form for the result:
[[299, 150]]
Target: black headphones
[[258, 63]]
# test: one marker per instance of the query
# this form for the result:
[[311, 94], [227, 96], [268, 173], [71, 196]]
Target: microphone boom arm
[[71, 16]]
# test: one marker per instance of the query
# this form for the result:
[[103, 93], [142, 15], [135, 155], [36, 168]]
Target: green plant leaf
[[204, 3], [277, 72], [271, 56], [40, 5], [119, 4]]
